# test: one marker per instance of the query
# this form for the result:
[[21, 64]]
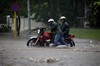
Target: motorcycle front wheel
[[31, 42]]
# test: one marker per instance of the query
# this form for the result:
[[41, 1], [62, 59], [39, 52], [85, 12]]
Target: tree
[[5, 8], [45, 9], [94, 13]]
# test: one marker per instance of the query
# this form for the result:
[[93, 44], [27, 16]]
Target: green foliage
[[23, 7], [2, 19], [5, 7], [45, 9], [4, 28], [40, 11], [92, 15]]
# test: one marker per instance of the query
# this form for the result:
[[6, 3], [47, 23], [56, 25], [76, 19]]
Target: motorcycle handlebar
[[42, 28]]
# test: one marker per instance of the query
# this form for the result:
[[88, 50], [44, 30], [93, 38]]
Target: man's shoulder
[[66, 23], [55, 22]]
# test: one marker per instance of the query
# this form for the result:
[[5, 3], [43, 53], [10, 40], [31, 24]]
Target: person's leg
[[56, 39], [53, 36], [64, 41]]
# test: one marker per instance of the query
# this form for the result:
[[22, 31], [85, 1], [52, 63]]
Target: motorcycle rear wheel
[[71, 42]]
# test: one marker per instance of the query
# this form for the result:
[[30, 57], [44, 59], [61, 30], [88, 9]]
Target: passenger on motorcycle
[[53, 26], [55, 32]]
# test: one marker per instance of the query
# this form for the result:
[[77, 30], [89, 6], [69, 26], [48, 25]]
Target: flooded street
[[14, 52]]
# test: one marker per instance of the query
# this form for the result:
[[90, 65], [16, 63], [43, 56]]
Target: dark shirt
[[64, 28], [54, 26]]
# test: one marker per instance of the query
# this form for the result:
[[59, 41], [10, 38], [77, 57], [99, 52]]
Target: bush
[[4, 28]]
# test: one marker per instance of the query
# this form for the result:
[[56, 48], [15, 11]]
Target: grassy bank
[[86, 33]]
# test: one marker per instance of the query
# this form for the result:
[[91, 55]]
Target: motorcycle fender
[[33, 37]]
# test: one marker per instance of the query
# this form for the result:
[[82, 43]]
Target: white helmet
[[51, 20], [63, 17]]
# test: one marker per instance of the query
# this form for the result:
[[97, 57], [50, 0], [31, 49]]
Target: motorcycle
[[44, 38]]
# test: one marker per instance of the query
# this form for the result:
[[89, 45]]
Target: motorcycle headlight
[[38, 31]]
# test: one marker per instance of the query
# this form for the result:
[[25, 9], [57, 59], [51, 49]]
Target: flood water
[[14, 52]]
